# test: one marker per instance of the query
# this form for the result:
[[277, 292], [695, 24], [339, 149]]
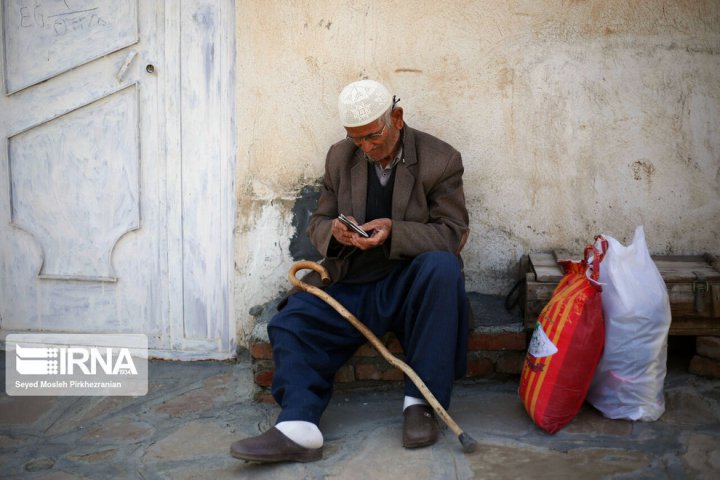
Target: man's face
[[377, 140]]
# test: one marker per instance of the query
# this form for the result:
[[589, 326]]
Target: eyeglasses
[[370, 137]]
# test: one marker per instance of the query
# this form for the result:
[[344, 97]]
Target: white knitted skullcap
[[362, 102]]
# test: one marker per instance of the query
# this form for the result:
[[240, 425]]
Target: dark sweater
[[372, 265]]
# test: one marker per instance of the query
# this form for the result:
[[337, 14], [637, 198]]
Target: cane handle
[[307, 265]]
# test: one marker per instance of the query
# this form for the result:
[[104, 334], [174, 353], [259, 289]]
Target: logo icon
[[36, 361]]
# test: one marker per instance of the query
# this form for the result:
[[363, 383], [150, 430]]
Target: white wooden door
[[115, 208]]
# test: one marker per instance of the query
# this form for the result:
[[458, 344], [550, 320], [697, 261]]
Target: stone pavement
[[183, 427]]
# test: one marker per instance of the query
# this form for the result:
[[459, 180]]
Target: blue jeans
[[423, 302]]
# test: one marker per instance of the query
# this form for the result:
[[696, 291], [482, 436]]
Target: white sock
[[410, 401], [305, 434]]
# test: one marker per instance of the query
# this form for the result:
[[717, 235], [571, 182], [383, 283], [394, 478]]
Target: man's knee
[[440, 264]]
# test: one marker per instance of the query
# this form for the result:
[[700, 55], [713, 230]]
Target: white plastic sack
[[629, 378]]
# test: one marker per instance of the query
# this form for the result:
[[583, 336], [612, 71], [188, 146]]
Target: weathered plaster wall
[[573, 117]]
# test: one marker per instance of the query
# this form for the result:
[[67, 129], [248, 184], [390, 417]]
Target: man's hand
[[379, 230], [342, 233]]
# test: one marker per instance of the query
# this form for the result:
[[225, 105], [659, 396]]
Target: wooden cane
[[468, 443]]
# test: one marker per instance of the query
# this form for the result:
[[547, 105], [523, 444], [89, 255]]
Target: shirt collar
[[392, 164]]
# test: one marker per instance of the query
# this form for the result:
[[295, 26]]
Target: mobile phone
[[354, 226]]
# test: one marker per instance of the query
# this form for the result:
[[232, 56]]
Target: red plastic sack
[[565, 346]]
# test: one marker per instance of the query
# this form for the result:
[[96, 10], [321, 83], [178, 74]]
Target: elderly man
[[404, 187]]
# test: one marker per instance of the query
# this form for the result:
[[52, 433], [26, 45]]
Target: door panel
[[77, 232], [201, 140], [44, 38]]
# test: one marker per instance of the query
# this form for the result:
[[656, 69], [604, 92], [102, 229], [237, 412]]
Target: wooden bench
[[692, 282]]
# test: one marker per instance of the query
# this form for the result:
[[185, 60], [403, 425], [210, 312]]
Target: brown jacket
[[428, 206]]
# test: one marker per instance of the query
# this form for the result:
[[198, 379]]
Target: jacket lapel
[[358, 189], [404, 176]]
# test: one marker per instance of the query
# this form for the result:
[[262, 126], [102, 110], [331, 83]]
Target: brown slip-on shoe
[[273, 446], [419, 427]]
